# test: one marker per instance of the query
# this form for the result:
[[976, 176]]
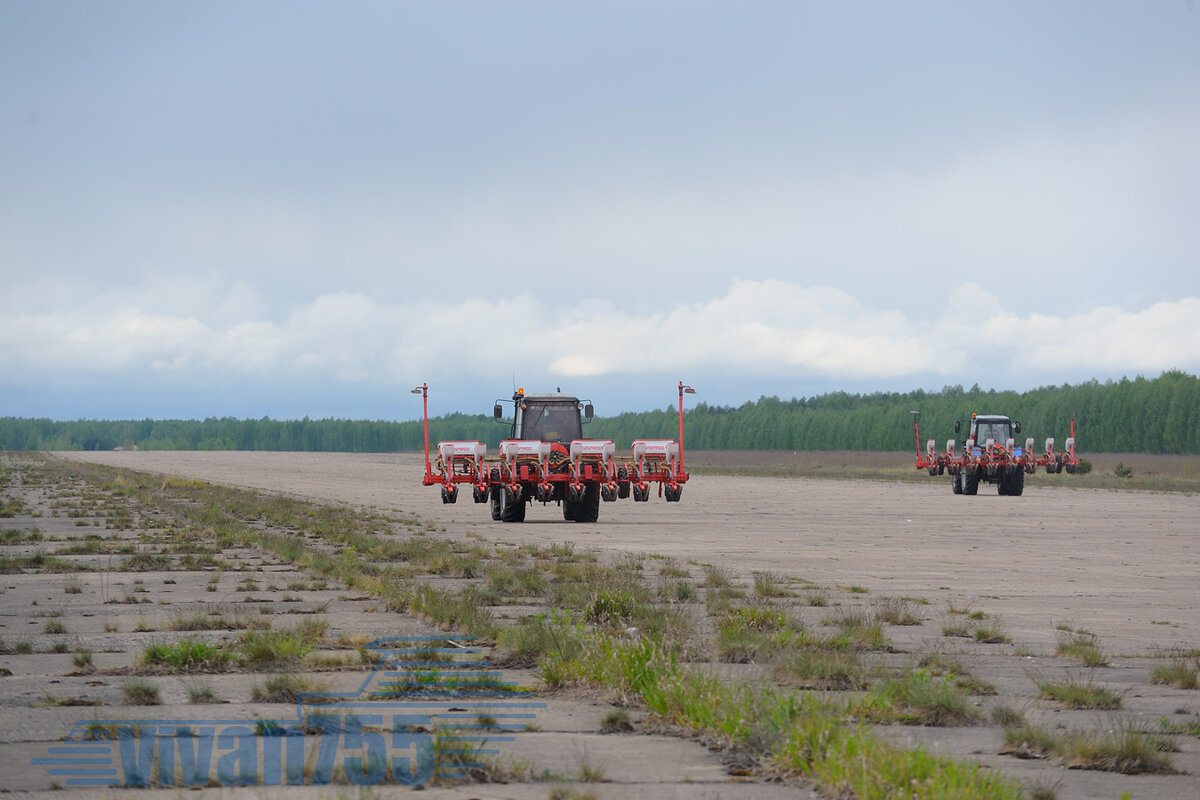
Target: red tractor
[[992, 455], [546, 459]]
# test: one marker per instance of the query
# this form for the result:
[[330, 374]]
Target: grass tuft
[[202, 693], [768, 584], [828, 670], [616, 721], [920, 699], [140, 693], [187, 655], [1082, 646], [1123, 748], [895, 611], [1182, 673], [284, 688], [1077, 694]]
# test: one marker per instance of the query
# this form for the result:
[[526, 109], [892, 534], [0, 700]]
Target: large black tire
[[588, 507], [569, 510], [510, 511], [494, 492], [970, 482], [1016, 483], [956, 483], [622, 483]]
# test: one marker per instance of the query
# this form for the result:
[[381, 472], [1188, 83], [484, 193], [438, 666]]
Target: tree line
[[1159, 415]]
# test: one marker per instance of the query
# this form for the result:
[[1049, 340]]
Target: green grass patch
[[1182, 673], [974, 625], [616, 721], [768, 584], [516, 582], [1186, 727], [919, 699], [1077, 694], [284, 688], [1082, 646], [188, 655], [672, 569], [798, 733], [147, 562], [272, 649], [201, 693], [612, 608], [755, 633], [716, 577], [39, 562], [895, 611], [1122, 748], [828, 670], [212, 621], [140, 693], [450, 611], [18, 536], [82, 660], [857, 629]]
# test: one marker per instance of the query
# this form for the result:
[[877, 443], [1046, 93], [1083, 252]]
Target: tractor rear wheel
[[970, 483], [510, 511], [956, 483], [1016, 483]]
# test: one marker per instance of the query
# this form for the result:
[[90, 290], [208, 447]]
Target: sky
[[286, 208]]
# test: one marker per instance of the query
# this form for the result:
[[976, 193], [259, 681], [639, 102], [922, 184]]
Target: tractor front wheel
[[494, 492], [510, 510], [588, 507]]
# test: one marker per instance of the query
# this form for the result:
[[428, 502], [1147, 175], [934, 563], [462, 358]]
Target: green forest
[[1139, 415]]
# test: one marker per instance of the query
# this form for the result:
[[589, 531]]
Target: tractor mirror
[[957, 426], [497, 412], [1016, 427], [588, 411]]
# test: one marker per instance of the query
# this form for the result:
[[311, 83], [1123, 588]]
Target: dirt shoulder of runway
[[1113, 567]]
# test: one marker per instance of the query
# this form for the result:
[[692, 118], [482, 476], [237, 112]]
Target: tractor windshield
[[552, 423], [997, 430]]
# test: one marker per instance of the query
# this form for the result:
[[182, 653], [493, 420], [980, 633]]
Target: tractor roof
[[550, 397]]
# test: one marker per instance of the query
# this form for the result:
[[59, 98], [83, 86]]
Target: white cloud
[[765, 326], [757, 328], [1106, 340]]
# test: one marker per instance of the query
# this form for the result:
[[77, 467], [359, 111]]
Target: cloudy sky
[[296, 208]]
